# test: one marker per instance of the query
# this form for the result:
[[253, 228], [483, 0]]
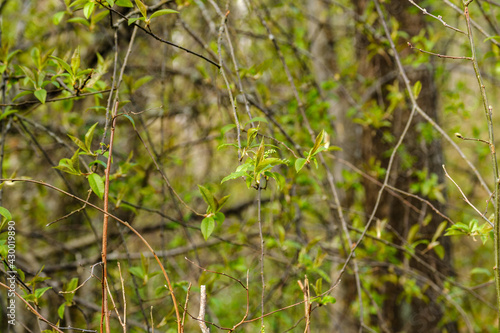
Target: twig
[[489, 119], [437, 54], [144, 241], [465, 198], [307, 303], [186, 305], [32, 309], [159, 38], [105, 310], [439, 17]]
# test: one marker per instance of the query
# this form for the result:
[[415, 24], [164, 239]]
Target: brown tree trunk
[[417, 315]]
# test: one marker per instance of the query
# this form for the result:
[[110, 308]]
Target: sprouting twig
[[437, 54]]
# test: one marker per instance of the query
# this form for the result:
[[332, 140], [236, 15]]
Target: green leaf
[[75, 161], [221, 202], [209, 198], [7, 113], [261, 119], [72, 284], [480, 271], [227, 128], [317, 143], [98, 162], [219, 217], [131, 120], [142, 8], [5, 213], [75, 60], [80, 20], [96, 184], [60, 310], [234, 175], [259, 156], [88, 9], [79, 143], [439, 231], [439, 249], [251, 134], [137, 271], [63, 64], [327, 300], [89, 136], [21, 94], [111, 3], [124, 3], [143, 80], [11, 55], [163, 12], [40, 291], [416, 89], [299, 164], [207, 227], [29, 74], [41, 95], [66, 166], [133, 19], [57, 17]]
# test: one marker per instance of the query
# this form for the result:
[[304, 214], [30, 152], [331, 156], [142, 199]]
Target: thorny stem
[[496, 191]]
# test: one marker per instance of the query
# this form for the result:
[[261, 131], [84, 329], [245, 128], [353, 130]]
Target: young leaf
[[219, 217], [234, 175], [80, 20], [40, 291], [209, 198], [142, 8], [222, 202], [317, 143], [163, 12], [124, 3], [207, 227], [299, 164], [416, 89], [79, 143], [75, 60], [5, 213], [60, 310], [63, 64], [29, 74], [259, 156], [88, 137], [439, 231], [96, 184], [131, 120], [88, 9], [251, 134]]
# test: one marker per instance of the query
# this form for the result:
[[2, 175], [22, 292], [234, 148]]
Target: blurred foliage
[[246, 112]]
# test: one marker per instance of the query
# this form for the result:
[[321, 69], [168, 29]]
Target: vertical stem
[[105, 312], [261, 256], [488, 113]]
